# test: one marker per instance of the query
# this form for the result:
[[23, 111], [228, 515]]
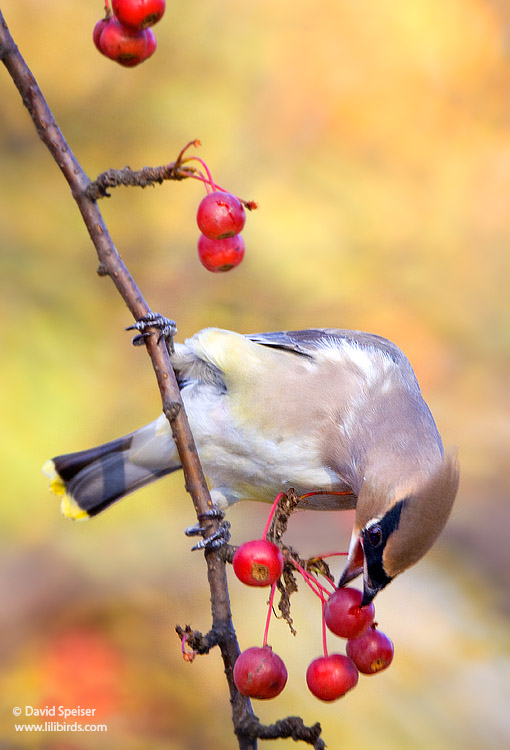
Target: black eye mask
[[374, 542]]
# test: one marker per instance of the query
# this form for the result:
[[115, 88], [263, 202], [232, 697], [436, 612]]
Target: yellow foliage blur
[[375, 137]]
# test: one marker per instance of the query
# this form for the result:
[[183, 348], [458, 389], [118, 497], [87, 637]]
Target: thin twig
[[292, 726], [145, 177]]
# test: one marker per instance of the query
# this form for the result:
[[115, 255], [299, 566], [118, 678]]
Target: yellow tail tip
[[68, 505], [57, 485], [70, 509]]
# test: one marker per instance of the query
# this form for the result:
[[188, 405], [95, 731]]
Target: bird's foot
[[166, 327], [220, 537]]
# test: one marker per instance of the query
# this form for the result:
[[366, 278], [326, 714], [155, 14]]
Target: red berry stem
[[186, 654], [269, 612], [333, 587], [331, 554], [271, 514], [319, 572], [195, 142], [211, 186], [324, 630], [198, 175], [210, 182], [325, 492], [311, 580], [317, 588]]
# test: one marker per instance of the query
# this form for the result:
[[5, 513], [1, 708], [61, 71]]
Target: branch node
[[102, 270], [200, 643], [171, 410], [227, 552]]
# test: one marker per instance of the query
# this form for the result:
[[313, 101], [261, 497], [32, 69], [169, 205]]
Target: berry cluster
[[260, 673], [220, 218], [368, 650], [126, 37]]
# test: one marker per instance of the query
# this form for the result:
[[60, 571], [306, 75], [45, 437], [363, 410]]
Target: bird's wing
[[213, 354], [307, 342]]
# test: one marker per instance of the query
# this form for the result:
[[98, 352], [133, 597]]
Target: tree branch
[[85, 193]]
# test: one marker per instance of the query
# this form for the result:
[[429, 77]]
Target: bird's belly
[[243, 462], [258, 469]]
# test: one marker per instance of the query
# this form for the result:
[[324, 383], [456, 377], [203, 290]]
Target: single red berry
[[220, 215], [330, 677], [344, 616], [126, 46], [259, 673], [258, 563], [371, 652], [138, 14], [98, 30], [220, 255]]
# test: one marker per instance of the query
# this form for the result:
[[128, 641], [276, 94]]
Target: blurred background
[[376, 139]]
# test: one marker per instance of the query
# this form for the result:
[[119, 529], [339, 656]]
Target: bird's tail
[[91, 480]]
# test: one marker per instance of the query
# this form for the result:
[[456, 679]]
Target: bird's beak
[[369, 590], [355, 560], [356, 565]]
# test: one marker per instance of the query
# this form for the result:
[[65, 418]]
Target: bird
[[333, 412]]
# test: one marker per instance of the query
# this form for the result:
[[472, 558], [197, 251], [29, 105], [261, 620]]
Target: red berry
[[345, 617], [98, 30], [138, 14], [371, 652], [220, 215], [259, 673], [330, 677], [258, 563], [220, 255], [126, 46]]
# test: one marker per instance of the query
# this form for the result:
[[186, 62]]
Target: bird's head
[[394, 529]]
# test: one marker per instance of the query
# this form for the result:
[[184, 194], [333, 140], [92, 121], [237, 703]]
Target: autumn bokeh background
[[376, 139]]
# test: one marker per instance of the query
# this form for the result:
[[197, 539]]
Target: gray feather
[[307, 342]]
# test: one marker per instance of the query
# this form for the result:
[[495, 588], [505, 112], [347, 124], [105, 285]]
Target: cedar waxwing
[[316, 410]]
